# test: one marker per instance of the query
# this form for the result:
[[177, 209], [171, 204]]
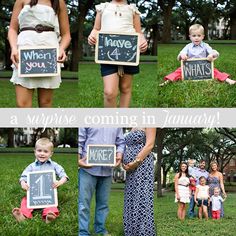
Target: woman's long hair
[[186, 171], [55, 4]]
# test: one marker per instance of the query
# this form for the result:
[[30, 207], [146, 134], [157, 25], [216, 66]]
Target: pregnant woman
[[215, 179], [139, 187], [40, 23]]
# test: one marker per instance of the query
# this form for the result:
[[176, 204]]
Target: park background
[[17, 152], [172, 146]]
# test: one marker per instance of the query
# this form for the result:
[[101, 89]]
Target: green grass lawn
[[65, 96], [12, 166], [195, 94], [91, 86], [166, 221]]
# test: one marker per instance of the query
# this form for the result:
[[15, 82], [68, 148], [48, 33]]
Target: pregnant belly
[[130, 155]]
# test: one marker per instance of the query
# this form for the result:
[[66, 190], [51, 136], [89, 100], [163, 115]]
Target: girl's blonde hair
[[44, 142], [196, 27]]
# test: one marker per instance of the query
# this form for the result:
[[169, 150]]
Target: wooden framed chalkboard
[[101, 155], [38, 62], [117, 49], [41, 194], [197, 69]]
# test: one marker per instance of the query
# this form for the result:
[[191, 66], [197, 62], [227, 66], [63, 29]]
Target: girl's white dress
[[183, 188], [117, 18], [30, 17]]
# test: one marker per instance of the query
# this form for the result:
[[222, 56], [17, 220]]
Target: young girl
[[120, 17], [197, 49], [182, 191], [202, 197], [40, 23]]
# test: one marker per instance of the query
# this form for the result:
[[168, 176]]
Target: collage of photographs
[[106, 57]]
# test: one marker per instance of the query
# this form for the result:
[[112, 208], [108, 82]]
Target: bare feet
[[18, 215], [50, 217], [230, 81], [164, 83]]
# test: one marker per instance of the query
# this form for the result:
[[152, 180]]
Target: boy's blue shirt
[[40, 166], [198, 51]]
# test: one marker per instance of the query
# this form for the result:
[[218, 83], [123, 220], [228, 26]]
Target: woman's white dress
[[30, 17], [183, 188]]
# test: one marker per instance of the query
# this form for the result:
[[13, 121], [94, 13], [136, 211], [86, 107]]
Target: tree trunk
[[233, 25], [166, 7], [75, 52], [10, 140], [159, 138], [164, 179], [83, 8], [155, 36], [7, 54]]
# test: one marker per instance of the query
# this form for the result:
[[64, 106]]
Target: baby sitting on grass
[[43, 153], [197, 49]]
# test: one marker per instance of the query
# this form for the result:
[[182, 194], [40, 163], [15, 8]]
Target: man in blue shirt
[[96, 178]]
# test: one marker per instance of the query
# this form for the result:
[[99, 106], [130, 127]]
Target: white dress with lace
[[117, 18], [30, 17]]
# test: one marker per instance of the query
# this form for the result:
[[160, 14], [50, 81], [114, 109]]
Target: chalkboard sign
[[38, 62], [197, 69], [118, 49], [41, 194], [101, 155]]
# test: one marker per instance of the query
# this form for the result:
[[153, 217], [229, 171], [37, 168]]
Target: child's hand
[[183, 57], [24, 185], [62, 56], [143, 44], [92, 38], [15, 57], [63, 180], [210, 57], [56, 184]]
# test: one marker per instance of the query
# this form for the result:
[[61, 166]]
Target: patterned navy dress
[[139, 189]]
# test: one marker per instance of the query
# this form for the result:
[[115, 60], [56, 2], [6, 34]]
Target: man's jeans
[[191, 213], [88, 184]]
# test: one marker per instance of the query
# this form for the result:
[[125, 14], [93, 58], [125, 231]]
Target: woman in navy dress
[[215, 179], [139, 187]]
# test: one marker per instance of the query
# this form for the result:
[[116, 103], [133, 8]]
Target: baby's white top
[[117, 18]]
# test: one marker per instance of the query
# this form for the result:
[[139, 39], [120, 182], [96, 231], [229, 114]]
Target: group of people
[[195, 185], [134, 152]]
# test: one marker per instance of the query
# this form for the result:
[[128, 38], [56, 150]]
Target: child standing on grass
[[197, 49], [202, 198], [119, 17], [216, 201], [43, 152]]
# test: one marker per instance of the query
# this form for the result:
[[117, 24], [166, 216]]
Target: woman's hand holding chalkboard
[[14, 56], [82, 163], [24, 185], [62, 56], [92, 38], [143, 44]]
